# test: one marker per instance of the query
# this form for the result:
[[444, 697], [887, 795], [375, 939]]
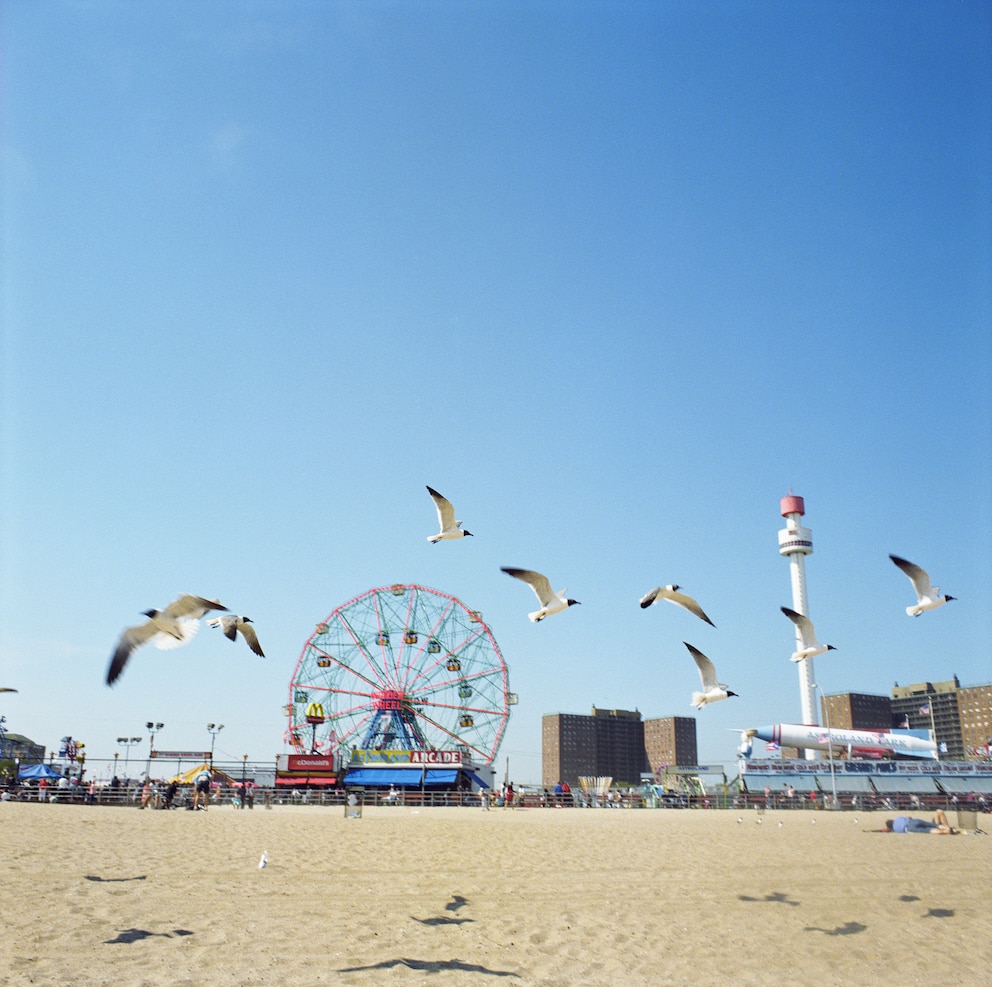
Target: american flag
[[925, 710], [772, 746]]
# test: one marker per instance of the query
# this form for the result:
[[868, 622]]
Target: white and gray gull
[[928, 597], [672, 595], [713, 691], [810, 646], [551, 602], [230, 625], [169, 628], [449, 527]]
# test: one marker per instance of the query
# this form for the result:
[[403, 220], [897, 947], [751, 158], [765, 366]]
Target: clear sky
[[613, 278]]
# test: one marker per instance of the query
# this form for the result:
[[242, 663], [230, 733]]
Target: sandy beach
[[95, 895]]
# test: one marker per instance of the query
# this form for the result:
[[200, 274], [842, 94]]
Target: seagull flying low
[[550, 601], [810, 648], [168, 628], [231, 624], [450, 528], [672, 594], [927, 597], [713, 691]]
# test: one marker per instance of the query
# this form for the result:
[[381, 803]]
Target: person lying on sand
[[907, 824]]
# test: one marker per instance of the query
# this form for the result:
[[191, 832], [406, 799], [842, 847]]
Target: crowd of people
[[147, 793]]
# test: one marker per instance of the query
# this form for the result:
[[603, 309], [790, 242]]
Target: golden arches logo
[[315, 711]]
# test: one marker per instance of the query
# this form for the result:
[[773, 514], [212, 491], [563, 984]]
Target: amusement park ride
[[402, 685]]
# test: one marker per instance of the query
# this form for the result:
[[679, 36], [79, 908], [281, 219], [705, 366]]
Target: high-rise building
[[670, 740], [856, 711], [975, 714], [607, 742], [931, 706], [960, 718]]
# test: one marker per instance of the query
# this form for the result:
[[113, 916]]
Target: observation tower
[[796, 542]]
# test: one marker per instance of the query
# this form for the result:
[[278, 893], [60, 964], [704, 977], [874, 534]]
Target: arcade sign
[[451, 758]]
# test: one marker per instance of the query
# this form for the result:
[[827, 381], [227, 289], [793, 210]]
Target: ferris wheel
[[400, 667]]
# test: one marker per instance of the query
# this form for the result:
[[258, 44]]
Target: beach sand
[[97, 895]]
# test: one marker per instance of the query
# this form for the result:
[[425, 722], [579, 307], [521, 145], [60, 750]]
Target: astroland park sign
[[415, 758]]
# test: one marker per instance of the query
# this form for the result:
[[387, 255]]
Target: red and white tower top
[[794, 538], [792, 505]]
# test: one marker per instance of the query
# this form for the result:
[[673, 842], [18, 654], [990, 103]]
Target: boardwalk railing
[[268, 798]]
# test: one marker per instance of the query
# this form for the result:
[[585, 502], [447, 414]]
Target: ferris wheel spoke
[[457, 651], [436, 623], [404, 643], [384, 641], [363, 650], [347, 668], [353, 730], [462, 708], [457, 738]]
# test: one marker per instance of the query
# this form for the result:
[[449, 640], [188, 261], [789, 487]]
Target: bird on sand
[[672, 594], [450, 528], [231, 624], [169, 628], [928, 597], [551, 602], [811, 648], [713, 691]]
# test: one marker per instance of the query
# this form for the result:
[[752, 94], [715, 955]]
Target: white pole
[[830, 746], [795, 542]]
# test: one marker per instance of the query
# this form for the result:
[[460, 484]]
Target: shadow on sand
[[135, 935], [431, 966], [847, 929], [775, 897]]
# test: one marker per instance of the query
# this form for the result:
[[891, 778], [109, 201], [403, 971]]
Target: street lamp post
[[152, 728], [213, 729], [244, 775], [830, 744], [127, 743]]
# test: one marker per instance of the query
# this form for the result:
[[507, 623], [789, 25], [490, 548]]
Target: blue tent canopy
[[402, 777], [383, 776], [33, 771]]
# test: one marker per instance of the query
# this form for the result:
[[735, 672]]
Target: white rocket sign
[[813, 737]]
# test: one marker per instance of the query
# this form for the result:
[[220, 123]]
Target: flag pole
[[933, 730]]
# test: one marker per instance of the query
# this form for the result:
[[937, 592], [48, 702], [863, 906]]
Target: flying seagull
[[550, 601], [231, 624], [810, 648], [672, 594], [168, 628], [450, 528], [5, 689], [928, 597], [713, 691]]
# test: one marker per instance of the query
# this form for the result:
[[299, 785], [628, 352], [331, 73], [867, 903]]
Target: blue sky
[[613, 278]]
